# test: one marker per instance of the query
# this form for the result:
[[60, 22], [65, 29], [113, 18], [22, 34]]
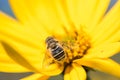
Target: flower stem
[[88, 78]]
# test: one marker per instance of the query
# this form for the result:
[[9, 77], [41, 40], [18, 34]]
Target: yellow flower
[[87, 33]]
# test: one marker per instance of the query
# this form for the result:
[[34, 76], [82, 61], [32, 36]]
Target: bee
[[55, 50], [55, 53]]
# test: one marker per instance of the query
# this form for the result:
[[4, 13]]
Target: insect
[[55, 53], [55, 50]]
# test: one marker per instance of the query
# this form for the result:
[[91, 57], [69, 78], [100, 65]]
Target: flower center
[[75, 46]]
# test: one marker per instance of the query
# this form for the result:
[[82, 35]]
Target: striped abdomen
[[58, 53]]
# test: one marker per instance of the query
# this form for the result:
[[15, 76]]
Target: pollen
[[76, 46]]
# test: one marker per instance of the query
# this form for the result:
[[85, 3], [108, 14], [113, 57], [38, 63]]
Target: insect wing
[[47, 61]]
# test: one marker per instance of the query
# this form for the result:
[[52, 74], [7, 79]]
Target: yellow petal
[[41, 12], [53, 69], [104, 50], [34, 66], [104, 65], [12, 67], [75, 72], [11, 28], [77, 12], [8, 65], [17, 57], [26, 17], [32, 56], [21, 13], [23, 40], [108, 34], [108, 26], [99, 11], [80, 71], [36, 76], [61, 10], [83, 11], [113, 38], [67, 73]]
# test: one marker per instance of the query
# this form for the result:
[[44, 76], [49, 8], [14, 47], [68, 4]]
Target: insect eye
[[48, 39]]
